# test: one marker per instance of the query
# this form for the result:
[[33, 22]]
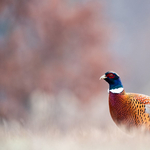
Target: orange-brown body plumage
[[129, 109]]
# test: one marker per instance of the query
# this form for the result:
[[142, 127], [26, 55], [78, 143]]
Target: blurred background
[[52, 53]]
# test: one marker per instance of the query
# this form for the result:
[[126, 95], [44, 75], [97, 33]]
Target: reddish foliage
[[52, 46]]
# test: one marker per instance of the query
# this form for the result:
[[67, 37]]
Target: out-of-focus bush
[[51, 46]]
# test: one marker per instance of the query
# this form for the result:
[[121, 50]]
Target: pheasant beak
[[103, 77]]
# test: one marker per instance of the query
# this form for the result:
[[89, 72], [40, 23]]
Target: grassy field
[[86, 138], [66, 128]]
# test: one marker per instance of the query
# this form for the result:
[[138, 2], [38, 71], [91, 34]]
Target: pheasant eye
[[110, 75]]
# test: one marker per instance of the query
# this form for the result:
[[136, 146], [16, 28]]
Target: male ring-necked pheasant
[[129, 109]]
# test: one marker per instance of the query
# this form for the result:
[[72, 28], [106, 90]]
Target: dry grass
[[86, 138], [50, 129]]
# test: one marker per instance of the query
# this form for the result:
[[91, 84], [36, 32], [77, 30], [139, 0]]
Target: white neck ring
[[118, 90]]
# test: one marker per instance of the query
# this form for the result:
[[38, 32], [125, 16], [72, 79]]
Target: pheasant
[[129, 109]]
